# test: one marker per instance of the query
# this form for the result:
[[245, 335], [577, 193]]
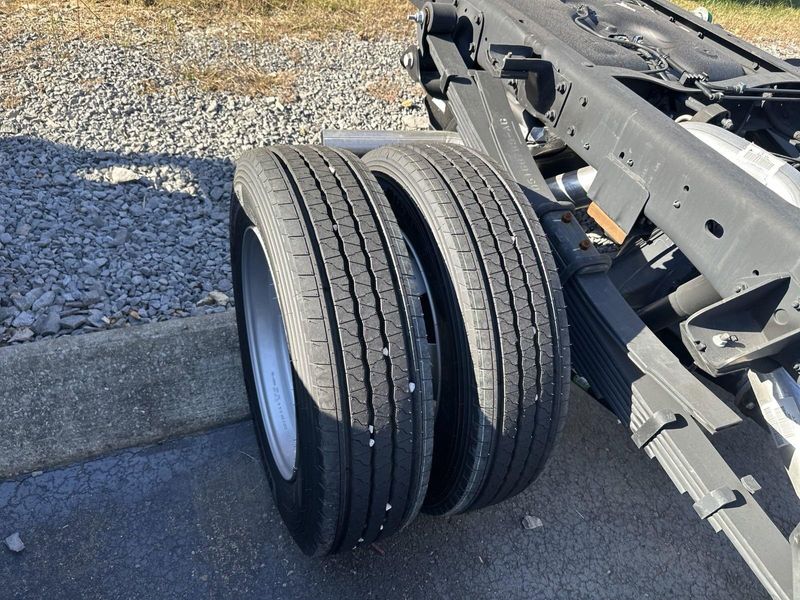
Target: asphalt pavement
[[193, 518]]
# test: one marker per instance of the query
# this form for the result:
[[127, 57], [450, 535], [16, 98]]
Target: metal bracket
[[713, 501], [750, 484], [514, 62], [652, 427], [758, 322]]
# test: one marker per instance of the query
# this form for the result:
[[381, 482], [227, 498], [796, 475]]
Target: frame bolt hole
[[715, 228]]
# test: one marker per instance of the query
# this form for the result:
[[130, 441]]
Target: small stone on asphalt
[[14, 543], [529, 522]]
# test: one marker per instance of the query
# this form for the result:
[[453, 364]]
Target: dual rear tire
[[403, 335]]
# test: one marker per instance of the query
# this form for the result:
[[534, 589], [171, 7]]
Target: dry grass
[[755, 21], [147, 87], [127, 20], [91, 83], [11, 101], [242, 79], [384, 89]]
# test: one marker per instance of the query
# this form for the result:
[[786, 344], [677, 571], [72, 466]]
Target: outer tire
[[503, 344], [356, 339]]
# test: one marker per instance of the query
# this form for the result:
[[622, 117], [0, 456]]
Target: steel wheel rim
[[269, 354], [423, 289]]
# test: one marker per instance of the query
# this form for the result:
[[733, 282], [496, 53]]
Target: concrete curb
[[76, 397]]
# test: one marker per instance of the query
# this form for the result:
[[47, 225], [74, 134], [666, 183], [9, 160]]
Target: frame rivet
[[567, 217], [585, 244]]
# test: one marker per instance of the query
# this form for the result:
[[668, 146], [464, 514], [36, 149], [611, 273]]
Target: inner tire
[[329, 315], [503, 341]]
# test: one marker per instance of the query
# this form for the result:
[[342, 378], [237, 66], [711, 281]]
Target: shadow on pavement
[[194, 518], [113, 250]]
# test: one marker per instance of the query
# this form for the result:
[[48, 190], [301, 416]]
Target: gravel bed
[[115, 168]]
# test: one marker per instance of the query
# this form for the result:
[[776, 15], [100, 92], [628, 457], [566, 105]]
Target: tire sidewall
[[294, 497]]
